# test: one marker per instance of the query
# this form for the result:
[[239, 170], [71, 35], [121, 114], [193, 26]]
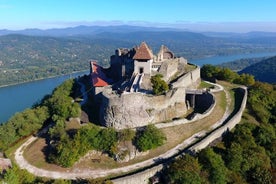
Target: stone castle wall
[[189, 80], [228, 126], [131, 110]]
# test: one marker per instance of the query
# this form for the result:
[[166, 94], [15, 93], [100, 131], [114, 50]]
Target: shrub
[[159, 86], [150, 138]]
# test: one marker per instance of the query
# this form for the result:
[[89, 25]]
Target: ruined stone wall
[[189, 80], [169, 68], [131, 110]]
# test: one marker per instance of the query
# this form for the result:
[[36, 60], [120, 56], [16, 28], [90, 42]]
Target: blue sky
[[205, 15]]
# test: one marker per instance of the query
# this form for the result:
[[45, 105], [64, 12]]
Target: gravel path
[[23, 164]]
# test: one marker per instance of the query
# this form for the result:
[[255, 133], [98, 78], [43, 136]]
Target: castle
[[123, 92]]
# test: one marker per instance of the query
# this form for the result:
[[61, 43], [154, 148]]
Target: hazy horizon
[[197, 15]]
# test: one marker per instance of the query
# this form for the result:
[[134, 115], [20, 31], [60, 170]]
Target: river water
[[16, 98], [214, 60]]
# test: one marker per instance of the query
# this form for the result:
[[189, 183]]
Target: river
[[214, 60], [21, 96], [18, 97]]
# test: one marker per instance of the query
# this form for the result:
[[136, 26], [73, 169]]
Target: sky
[[196, 15]]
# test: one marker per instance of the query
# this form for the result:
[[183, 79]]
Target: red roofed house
[[98, 77]]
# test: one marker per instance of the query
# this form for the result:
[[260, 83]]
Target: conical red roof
[[143, 52]]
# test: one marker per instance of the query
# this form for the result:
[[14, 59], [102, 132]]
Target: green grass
[[204, 84]]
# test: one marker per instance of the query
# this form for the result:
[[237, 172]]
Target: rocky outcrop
[[130, 110]]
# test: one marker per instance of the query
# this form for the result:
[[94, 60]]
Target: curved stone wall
[[189, 80], [131, 110], [220, 131]]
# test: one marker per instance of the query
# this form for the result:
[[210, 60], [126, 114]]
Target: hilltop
[[264, 71]]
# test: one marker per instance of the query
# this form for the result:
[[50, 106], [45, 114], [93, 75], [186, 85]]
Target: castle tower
[[143, 59], [164, 53]]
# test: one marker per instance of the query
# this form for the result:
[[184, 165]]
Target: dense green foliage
[[159, 85], [61, 104], [186, 170], [264, 71], [216, 72], [214, 165], [246, 155], [126, 134], [262, 100], [22, 124], [17, 176], [150, 138], [67, 150]]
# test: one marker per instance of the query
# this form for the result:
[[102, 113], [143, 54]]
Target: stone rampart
[[196, 117], [221, 130], [139, 178], [130, 110], [189, 80]]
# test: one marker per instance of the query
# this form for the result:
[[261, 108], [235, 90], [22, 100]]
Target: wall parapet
[[196, 117], [229, 125]]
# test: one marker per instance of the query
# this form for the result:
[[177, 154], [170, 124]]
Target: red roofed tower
[[143, 59]]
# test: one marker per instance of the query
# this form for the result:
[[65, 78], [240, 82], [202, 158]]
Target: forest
[[263, 69]]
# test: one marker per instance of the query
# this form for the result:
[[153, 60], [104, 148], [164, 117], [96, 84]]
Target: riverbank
[[16, 98], [215, 60]]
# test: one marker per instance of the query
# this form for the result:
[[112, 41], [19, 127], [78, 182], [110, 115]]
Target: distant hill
[[85, 30], [33, 53], [240, 64], [26, 58], [264, 71]]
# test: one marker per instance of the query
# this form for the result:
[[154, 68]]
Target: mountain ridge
[[92, 30], [264, 71]]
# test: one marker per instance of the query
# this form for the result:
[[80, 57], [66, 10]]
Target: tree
[[150, 138], [227, 74], [213, 163], [209, 71], [126, 134], [107, 138], [159, 86], [185, 170], [264, 135], [245, 79], [15, 175], [260, 175], [234, 157]]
